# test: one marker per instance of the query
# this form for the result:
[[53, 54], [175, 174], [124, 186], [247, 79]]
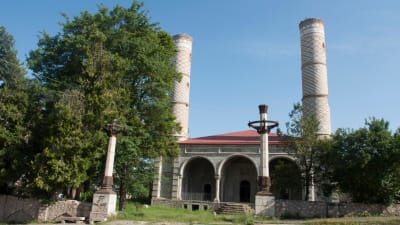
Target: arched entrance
[[238, 180], [198, 180], [285, 179]]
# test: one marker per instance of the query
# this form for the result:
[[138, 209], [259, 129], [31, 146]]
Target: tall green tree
[[14, 106], [119, 64], [59, 166], [366, 162], [134, 171], [307, 146]]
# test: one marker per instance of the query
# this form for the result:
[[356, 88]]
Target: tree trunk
[[122, 196], [307, 183]]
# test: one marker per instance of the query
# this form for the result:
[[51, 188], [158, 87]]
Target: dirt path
[[282, 222]]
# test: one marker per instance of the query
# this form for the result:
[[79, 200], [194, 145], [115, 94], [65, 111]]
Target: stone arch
[[183, 165], [222, 163], [234, 171], [285, 178], [287, 157], [198, 175]]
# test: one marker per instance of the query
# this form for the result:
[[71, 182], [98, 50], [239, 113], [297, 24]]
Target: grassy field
[[136, 212]]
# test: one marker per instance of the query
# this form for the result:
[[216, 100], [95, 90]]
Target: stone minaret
[[180, 97], [180, 108], [314, 74]]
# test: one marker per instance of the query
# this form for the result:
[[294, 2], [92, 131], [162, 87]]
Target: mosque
[[227, 167]]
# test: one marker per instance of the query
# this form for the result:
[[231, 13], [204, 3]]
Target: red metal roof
[[246, 137]]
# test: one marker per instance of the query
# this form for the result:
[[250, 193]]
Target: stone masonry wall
[[306, 209], [25, 210], [65, 208], [299, 209], [199, 205], [16, 209]]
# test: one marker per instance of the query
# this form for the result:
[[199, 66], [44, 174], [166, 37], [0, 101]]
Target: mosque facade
[[225, 167]]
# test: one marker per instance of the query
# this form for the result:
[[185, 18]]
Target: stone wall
[[296, 208], [192, 205], [16, 209], [25, 210], [306, 209], [66, 208]]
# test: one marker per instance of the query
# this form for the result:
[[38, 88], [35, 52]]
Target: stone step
[[234, 208]]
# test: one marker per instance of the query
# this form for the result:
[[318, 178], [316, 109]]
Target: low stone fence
[[306, 209], [15, 209], [186, 204], [20, 210], [296, 208], [68, 208]]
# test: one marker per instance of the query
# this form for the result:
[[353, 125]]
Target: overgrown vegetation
[[308, 148], [364, 162], [137, 212], [114, 64]]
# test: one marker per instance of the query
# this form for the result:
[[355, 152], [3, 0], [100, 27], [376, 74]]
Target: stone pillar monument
[[105, 200], [264, 181], [314, 74], [265, 201], [180, 97]]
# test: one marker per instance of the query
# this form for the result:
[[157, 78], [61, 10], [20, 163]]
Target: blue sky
[[247, 52]]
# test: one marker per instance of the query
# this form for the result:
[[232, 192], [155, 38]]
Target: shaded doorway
[[234, 171], [245, 191], [207, 192], [285, 179], [198, 180]]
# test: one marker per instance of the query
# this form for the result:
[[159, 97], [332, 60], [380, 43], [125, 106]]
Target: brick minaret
[[314, 74], [180, 97]]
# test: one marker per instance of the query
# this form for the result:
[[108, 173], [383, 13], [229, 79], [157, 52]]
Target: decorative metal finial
[[113, 128], [263, 126]]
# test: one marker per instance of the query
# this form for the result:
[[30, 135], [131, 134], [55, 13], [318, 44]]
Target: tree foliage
[[112, 64], [308, 147], [14, 109], [286, 179], [365, 162]]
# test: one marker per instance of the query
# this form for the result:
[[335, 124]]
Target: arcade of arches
[[235, 179]]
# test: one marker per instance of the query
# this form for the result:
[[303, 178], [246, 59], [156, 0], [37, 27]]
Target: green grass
[[136, 212], [354, 221], [164, 214]]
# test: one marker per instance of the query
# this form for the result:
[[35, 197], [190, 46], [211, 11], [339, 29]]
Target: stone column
[[264, 200], [312, 195], [217, 181], [108, 171], [179, 189], [264, 181], [105, 200], [156, 193]]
